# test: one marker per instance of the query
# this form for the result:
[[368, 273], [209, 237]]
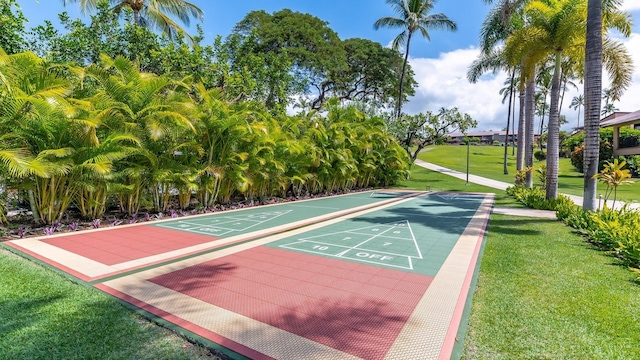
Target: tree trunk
[[592, 95], [530, 107], [404, 68], [521, 132], [579, 108], [34, 208], [553, 135], [506, 134], [544, 107], [513, 128]]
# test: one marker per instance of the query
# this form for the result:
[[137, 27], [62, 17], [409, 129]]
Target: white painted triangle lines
[[219, 225], [392, 244]]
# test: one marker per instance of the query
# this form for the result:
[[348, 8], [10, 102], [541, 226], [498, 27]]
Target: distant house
[[631, 120], [486, 137]]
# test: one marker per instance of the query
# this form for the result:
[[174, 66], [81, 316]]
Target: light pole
[[468, 147]]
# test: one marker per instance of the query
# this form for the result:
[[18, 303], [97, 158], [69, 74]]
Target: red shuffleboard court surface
[[265, 301], [96, 254]]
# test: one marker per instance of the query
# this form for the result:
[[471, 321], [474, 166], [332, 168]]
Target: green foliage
[[3, 208], [541, 172], [11, 27], [628, 138], [613, 175], [137, 138], [415, 132], [619, 231], [536, 198], [540, 155], [616, 230], [577, 156], [521, 176]]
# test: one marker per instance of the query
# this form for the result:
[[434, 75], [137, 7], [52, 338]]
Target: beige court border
[[422, 337], [424, 334], [94, 269]]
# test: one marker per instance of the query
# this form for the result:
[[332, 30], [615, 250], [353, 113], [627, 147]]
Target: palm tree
[[576, 104], [554, 30], [414, 16], [608, 109], [608, 96], [153, 13], [494, 60], [592, 93]]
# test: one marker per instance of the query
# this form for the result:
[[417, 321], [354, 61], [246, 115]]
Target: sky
[[440, 64]]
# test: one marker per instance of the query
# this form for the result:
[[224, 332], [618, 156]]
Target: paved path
[[498, 184]]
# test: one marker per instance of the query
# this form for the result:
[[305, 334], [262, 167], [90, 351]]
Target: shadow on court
[[438, 213], [366, 329]]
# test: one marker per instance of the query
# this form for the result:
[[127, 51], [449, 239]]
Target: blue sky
[[440, 64], [349, 18]]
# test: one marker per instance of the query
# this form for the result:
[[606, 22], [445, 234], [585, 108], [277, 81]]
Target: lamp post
[[468, 147]]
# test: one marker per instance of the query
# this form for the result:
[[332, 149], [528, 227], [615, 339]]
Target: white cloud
[[630, 5], [443, 83]]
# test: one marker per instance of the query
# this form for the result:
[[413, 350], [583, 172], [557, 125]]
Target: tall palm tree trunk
[[404, 68], [544, 107], [530, 93], [579, 108], [506, 134], [553, 146], [592, 94], [513, 129], [521, 132]]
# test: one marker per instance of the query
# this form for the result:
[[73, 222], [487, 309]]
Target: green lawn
[[545, 293], [487, 161], [45, 316]]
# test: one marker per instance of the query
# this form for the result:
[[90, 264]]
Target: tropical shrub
[[577, 156], [540, 155], [615, 230], [628, 138], [521, 176], [137, 140], [536, 198], [613, 175], [541, 171]]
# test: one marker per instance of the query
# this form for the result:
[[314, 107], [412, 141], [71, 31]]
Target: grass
[[487, 161], [45, 316], [544, 293]]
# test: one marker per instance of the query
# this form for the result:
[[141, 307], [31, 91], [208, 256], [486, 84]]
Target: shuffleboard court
[[389, 282], [92, 255]]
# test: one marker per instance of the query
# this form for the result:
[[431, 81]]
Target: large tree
[[371, 76], [285, 54], [157, 14], [554, 31], [414, 15], [11, 27]]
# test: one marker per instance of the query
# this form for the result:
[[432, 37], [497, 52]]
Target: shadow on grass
[[22, 307], [514, 227]]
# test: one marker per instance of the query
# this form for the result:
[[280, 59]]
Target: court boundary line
[[114, 287], [25, 248]]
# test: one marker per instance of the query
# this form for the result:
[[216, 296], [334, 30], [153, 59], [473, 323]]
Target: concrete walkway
[[503, 185]]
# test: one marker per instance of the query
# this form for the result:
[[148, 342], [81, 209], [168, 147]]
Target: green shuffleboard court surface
[[416, 235], [230, 223]]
